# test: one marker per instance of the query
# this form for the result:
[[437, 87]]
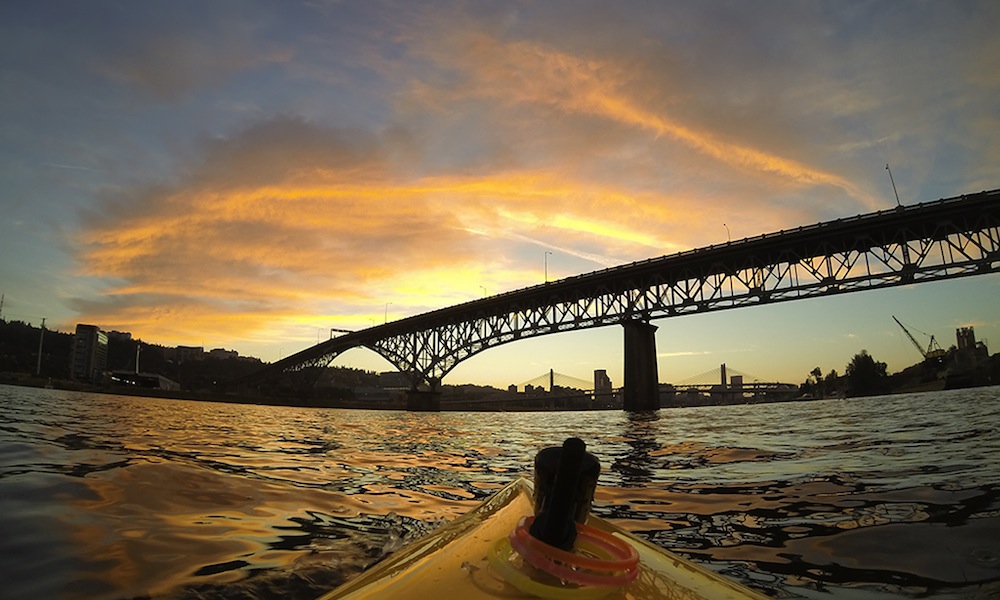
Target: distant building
[[602, 383], [151, 381], [222, 353], [969, 353], [121, 336], [966, 338], [186, 353], [90, 354], [393, 380]]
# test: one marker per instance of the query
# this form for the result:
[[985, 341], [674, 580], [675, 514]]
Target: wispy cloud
[[684, 353], [71, 167], [519, 73], [303, 219]]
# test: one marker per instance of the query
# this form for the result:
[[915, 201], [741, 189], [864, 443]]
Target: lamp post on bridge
[[729, 236], [387, 311], [547, 253]]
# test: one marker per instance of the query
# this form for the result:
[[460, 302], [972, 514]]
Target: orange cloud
[[332, 234]]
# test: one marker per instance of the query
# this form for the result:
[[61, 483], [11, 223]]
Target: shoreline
[[550, 404]]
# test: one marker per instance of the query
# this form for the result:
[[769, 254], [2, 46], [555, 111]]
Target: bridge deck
[[952, 237]]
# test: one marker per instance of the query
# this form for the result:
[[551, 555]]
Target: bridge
[[726, 385], [557, 391], [932, 241]]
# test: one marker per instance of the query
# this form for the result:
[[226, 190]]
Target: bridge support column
[[423, 401], [642, 386]]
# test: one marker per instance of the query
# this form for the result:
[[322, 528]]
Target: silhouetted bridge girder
[[944, 239]]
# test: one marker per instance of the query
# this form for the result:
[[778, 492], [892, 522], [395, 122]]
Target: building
[[602, 383], [222, 353], [186, 353], [970, 354], [393, 380], [90, 354], [152, 381], [966, 338], [121, 336]]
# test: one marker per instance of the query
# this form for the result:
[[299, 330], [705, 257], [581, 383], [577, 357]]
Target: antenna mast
[[41, 340], [893, 181]]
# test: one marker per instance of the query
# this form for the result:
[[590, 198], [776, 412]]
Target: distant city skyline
[[253, 176]]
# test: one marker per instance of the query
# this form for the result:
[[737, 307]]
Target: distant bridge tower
[[642, 385]]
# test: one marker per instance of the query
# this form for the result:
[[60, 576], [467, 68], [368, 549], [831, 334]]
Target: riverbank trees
[[864, 376]]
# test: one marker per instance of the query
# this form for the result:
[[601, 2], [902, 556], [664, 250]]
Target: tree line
[[864, 376]]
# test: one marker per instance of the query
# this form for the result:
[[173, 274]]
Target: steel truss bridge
[[933, 241]]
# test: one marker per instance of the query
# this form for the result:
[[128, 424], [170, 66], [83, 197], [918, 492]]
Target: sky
[[248, 175]]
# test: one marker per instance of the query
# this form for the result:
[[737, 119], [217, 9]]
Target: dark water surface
[[110, 497]]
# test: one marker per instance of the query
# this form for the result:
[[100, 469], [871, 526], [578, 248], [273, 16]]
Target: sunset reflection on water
[[118, 497]]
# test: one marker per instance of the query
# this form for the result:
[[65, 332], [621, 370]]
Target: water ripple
[[111, 497]]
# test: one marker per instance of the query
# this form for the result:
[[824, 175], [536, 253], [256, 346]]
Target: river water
[[114, 497]]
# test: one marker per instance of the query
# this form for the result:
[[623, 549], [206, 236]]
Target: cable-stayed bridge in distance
[[933, 241], [724, 384], [552, 380], [722, 375], [548, 391]]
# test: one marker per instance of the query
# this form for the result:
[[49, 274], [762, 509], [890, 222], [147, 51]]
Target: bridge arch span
[[944, 239]]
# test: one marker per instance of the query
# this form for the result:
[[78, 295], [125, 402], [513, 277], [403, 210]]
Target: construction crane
[[933, 348]]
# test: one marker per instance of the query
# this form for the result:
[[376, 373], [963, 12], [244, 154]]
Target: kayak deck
[[453, 560]]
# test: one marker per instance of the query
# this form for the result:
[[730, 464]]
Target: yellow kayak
[[471, 558]]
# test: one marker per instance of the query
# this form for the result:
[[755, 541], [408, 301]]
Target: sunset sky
[[248, 175]]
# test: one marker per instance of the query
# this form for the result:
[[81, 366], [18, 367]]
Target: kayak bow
[[455, 562]]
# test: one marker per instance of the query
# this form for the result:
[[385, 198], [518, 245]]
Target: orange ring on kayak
[[603, 556], [628, 558], [538, 559], [499, 559]]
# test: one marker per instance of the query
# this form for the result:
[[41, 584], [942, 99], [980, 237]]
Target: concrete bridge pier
[[642, 386], [425, 400]]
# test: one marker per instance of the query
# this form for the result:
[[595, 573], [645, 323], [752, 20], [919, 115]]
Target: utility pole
[[1, 307], [41, 339]]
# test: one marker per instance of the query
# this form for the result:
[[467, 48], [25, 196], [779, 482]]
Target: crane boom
[[912, 339]]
